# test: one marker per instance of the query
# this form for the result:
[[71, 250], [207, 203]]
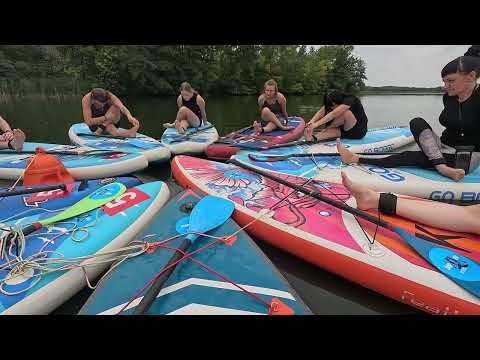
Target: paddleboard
[[192, 289], [194, 142], [228, 144], [23, 290], [152, 149], [332, 239], [18, 206], [406, 180], [86, 166]]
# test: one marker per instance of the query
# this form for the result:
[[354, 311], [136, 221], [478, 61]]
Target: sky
[[406, 65]]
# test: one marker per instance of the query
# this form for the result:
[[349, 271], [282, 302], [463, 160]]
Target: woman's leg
[[441, 215], [347, 120], [273, 122], [431, 146]]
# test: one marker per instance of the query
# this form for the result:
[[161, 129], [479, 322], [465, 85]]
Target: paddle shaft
[[109, 136], [66, 152], [31, 190], [157, 286], [317, 195], [272, 158], [186, 136]]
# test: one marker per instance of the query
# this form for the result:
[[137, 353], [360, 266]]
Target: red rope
[[188, 256]]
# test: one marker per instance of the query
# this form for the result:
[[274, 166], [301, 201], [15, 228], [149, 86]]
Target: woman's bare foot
[[257, 128], [452, 173], [18, 139], [347, 156], [308, 133], [169, 125], [180, 128], [365, 198]]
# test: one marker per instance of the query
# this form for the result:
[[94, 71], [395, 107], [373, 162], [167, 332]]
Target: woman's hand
[[133, 121]]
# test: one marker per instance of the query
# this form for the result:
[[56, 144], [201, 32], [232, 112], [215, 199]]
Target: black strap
[[387, 204], [10, 146]]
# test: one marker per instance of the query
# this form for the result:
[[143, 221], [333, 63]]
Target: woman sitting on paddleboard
[[10, 139], [273, 110], [433, 213], [191, 110], [457, 151], [102, 111], [346, 116]]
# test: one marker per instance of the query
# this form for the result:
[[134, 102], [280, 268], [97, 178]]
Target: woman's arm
[[116, 102], [179, 101], [331, 115], [282, 100], [201, 105], [260, 101], [318, 115], [4, 125]]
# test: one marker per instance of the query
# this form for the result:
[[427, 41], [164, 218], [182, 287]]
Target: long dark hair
[[465, 64], [333, 97]]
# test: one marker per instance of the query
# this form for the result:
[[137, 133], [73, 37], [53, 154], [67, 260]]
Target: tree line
[[153, 70]]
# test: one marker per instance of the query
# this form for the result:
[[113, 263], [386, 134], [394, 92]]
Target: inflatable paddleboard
[[332, 239], [18, 206], [192, 289], [152, 149], [24, 290], [194, 142], [228, 145], [86, 166], [406, 180]]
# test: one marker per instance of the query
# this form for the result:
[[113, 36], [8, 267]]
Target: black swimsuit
[[100, 112], [193, 106], [359, 130], [276, 109]]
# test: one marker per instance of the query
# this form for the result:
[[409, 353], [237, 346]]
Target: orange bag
[[44, 169]]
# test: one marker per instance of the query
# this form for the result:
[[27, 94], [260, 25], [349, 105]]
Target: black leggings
[[429, 142]]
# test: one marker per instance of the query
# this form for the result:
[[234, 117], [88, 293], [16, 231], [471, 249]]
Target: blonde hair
[[185, 86], [271, 82]]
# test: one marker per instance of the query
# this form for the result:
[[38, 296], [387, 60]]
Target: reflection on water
[[325, 293]]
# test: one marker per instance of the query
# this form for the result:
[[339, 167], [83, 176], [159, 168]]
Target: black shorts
[[94, 128], [358, 131]]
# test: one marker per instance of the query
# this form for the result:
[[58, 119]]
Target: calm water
[[325, 293]]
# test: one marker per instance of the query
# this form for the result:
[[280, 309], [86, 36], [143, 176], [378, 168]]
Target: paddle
[[109, 136], [458, 268], [78, 152], [31, 190], [273, 158], [179, 137], [96, 199], [275, 146], [209, 213]]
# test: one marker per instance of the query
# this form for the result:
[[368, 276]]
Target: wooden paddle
[[458, 268], [209, 213]]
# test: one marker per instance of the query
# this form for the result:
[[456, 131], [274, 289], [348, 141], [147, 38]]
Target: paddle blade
[[208, 214], [458, 268], [96, 199]]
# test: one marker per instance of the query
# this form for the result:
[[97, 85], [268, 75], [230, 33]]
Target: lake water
[[324, 293]]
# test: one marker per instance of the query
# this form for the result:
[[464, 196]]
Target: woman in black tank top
[[191, 110], [457, 151], [273, 110], [102, 111]]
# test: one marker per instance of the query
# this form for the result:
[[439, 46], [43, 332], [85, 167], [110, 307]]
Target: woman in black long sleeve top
[[460, 116]]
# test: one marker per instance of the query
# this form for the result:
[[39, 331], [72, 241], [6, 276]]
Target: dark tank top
[[274, 108], [192, 105]]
